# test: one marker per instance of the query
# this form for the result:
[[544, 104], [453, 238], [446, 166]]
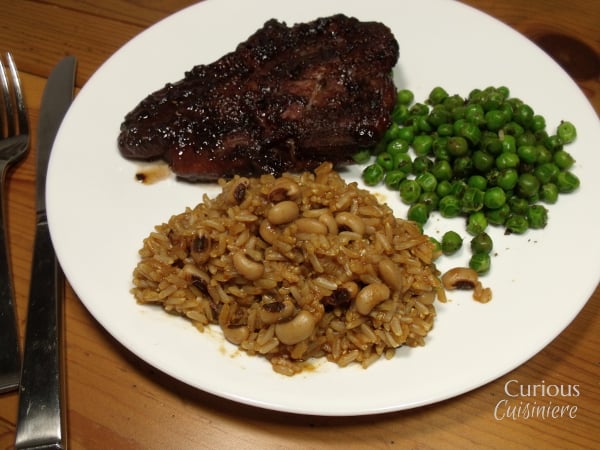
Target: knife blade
[[41, 418]]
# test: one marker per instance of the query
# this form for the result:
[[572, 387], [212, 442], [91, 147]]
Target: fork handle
[[41, 420], [10, 359]]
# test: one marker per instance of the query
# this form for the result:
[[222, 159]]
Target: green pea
[[563, 159], [523, 115], [507, 110], [454, 101], [419, 109], [451, 242], [507, 179], [393, 178], [546, 172], [459, 187], [385, 160], [494, 197], [513, 129], [449, 206], [437, 95], [507, 160], [498, 216], [422, 144], [397, 145], [470, 132], [418, 212], [443, 188], [406, 134], [527, 138], [538, 123], [410, 191], [431, 200], [482, 161], [457, 146], [567, 182], [491, 144], [477, 181], [495, 119], [528, 185], [549, 193], [475, 95], [440, 148], [476, 223], [472, 199], [422, 164], [475, 114], [422, 125], [482, 243], [553, 143], [537, 216], [400, 114], [543, 155], [362, 156], [508, 144], [373, 174], [405, 97], [462, 167], [492, 100], [503, 91], [458, 110], [480, 262], [527, 153], [427, 181], [516, 223], [442, 170], [445, 129], [439, 115], [518, 205], [403, 161], [566, 131], [392, 132]]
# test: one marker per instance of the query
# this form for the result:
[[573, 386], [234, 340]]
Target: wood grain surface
[[117, 401]]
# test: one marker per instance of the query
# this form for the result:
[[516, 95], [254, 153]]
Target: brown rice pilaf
[[293, 268]]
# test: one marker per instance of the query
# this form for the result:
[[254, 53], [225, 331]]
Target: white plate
[[99, 215]]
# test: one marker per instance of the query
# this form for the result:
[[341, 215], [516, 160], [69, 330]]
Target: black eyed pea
[[313, 226], [284, 188], [267, 232], [329, 221], [460, 278], [351, 287], [390, 273], [351, 221], [236, 335], [249, 269], [370, 296], [274, 312], [297, 329], [237, 190], [283, 212]]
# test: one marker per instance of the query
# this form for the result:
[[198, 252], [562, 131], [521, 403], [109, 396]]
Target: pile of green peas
[[488, 158]]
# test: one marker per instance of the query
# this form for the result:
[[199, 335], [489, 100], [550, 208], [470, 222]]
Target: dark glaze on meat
[[287, 99]]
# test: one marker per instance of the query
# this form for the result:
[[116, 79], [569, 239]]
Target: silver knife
[[41, 419]]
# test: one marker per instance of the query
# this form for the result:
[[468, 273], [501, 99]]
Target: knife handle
[[41, 418]]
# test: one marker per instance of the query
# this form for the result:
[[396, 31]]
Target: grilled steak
[[287, 99]]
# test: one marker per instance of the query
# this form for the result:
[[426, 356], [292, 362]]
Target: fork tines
[[12, 98]]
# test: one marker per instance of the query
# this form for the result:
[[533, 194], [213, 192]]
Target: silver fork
[[14, 134]]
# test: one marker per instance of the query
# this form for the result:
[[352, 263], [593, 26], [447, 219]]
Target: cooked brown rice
[[292, 268]]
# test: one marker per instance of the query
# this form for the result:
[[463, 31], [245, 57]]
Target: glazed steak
[[287, 99]]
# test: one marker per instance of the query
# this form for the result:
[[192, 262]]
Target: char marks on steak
[[287, 99]]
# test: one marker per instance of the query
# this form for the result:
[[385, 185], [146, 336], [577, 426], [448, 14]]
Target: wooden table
[[115, 400]]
